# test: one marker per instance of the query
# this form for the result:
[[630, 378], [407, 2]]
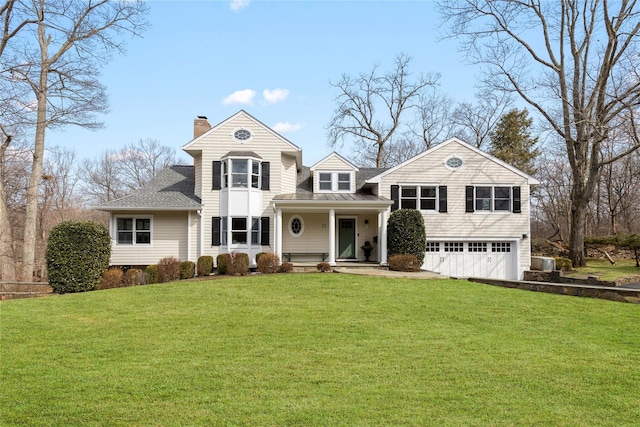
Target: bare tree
[[473, 122], [370, 106], [102, 178], [59, 63], [114, 174], [574, 61], [434, 118], [142, 161]]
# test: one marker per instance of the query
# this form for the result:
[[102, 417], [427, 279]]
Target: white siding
[[169, 238], [289, 174], [456, 223], [333, 162]]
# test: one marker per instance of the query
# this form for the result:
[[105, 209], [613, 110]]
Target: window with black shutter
[[517, 208], [215, 231], [395, 196], [265, 175], [217, 175], [264, 231], [442, 198]]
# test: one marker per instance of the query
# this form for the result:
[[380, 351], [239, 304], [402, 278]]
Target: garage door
[[494, 260]]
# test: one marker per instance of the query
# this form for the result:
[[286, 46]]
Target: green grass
[[606, 271], [319, 350]]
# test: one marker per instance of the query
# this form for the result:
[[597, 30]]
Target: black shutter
[[217, 175], [395, 196], [469, 198], [266, 167], [442, 198], [264, 231], [215, 231], [516, 200]]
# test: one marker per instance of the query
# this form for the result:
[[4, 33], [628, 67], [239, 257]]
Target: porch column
[[382, 236], [277, 239], [189, 235], [332, 237]]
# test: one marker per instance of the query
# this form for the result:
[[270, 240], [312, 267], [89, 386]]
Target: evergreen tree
[[511, 141]]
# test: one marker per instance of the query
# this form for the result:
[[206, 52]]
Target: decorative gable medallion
[[242, 135], [453, 163]]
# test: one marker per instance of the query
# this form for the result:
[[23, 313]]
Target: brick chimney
[[200, 126]]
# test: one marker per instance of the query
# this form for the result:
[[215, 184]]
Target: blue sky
[[273, 59]]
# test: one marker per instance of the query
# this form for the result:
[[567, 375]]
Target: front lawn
[[319, 349], [605, 271]]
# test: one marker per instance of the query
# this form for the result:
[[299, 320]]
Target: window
[[223, 231], [491, 199], [501, 247], [325, 181], [453, 246], [483, 198], [344, 181], [433, 247], [255, 231], [239, 173], [133, 231], [296, 226], [225, 175], [239, 231], [409, 197], [477, 247], [502, 199], [255, 174], [334, 181]]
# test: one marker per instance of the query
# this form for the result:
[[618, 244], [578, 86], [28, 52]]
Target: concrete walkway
[[422, 274]]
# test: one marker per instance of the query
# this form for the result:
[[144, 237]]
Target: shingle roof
[[172, 189]]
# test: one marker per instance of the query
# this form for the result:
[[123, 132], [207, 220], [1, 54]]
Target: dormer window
[[334, 181], [325, 181], [344, 181]]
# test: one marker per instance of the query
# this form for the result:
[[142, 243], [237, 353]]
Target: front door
[[346, 238]]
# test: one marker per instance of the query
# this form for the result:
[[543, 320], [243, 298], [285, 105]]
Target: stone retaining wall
[[579, 290], [15, 290]]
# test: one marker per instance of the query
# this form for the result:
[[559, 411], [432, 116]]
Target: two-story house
[[248, 191]]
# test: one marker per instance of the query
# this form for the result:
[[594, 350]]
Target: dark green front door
[[346, 238]]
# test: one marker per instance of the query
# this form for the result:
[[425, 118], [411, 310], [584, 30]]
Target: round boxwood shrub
[[406, 234], [77, 254], [152, 274], [187, 270], [205, 265]]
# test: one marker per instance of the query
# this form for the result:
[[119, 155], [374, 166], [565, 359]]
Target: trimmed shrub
[[77, 255], [285, 267], [223, 261], [187, 270], [205, 265], [112, 278], [133, 277], [406, 234], [258, 255], [268, 263], [240, 263], [152, 274], [168, 269], [323, 267], [404, 262], [564, 264]]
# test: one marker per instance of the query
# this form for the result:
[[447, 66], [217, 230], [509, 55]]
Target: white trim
[[301, 226], [215, 128], [334, 154], [133, 242], [378, 178], [335, 175]]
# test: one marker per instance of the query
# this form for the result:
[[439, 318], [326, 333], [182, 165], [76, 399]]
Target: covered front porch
[[312, 228]]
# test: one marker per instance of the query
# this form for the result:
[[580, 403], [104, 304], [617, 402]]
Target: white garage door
[[494, 260]]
